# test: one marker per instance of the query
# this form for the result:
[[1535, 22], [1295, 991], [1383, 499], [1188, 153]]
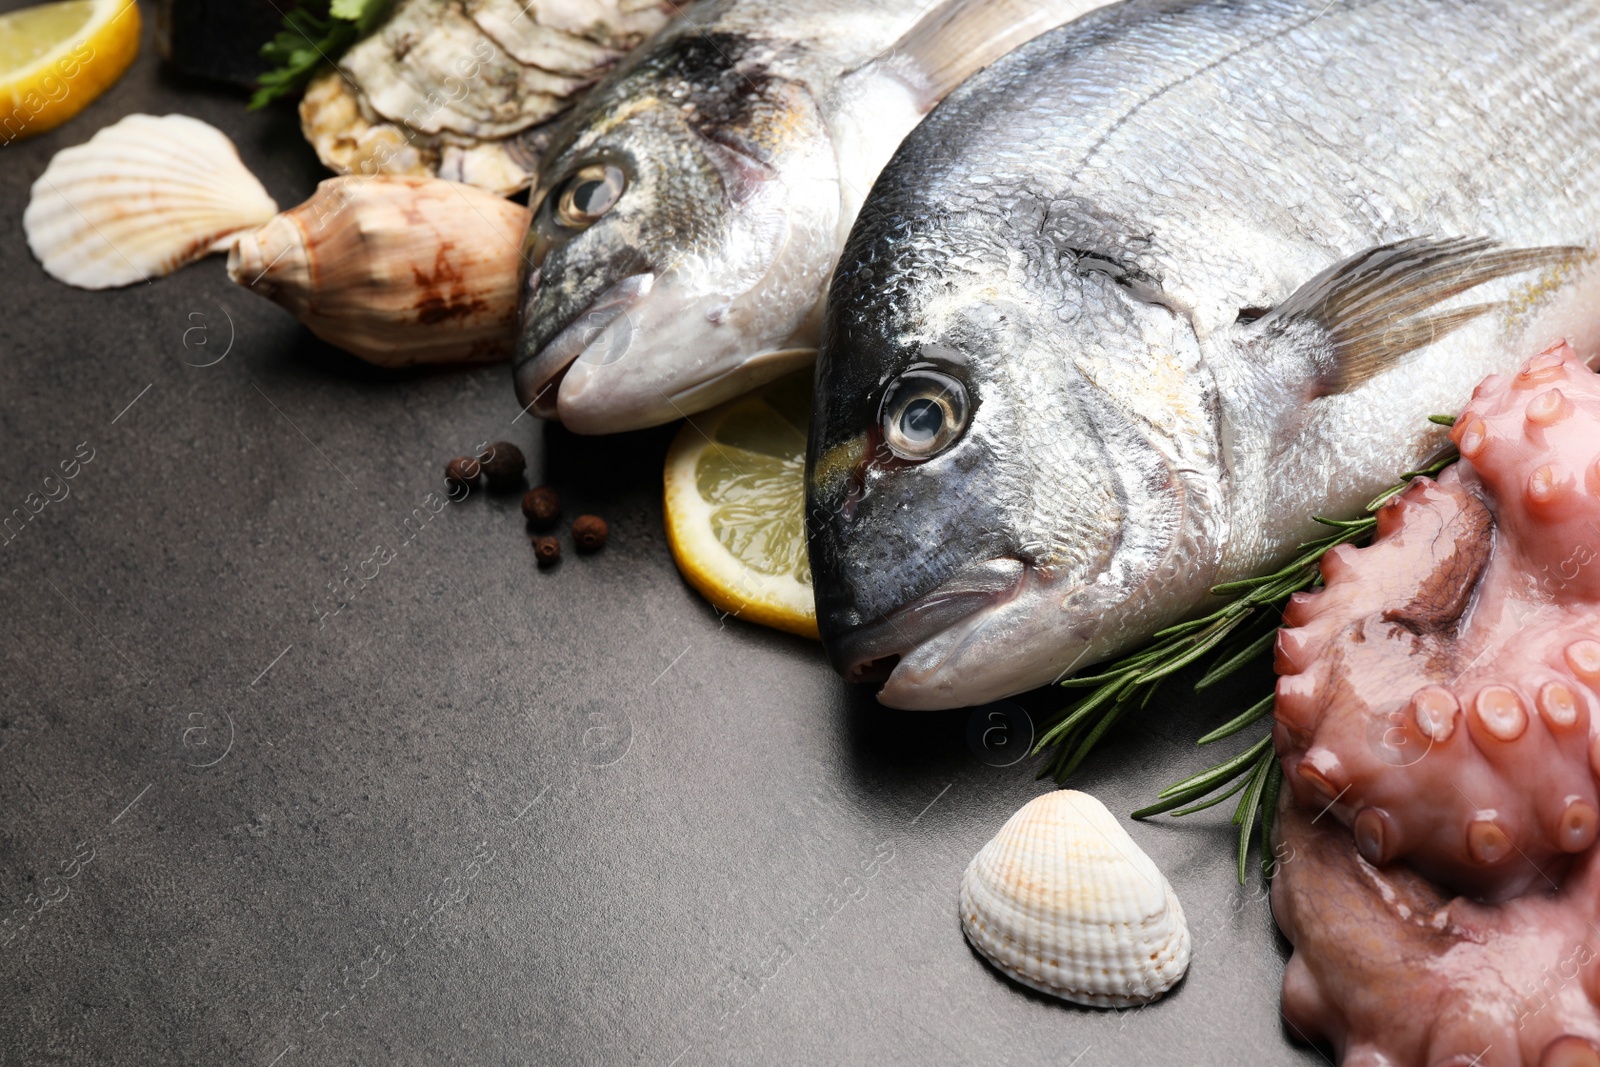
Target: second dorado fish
[[1137, 301], [690, 209]]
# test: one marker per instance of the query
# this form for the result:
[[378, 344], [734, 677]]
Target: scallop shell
[[140, 199], [1062, 900], [464, 89]]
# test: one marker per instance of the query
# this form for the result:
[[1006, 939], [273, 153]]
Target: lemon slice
[[56, 58], [735, 504]]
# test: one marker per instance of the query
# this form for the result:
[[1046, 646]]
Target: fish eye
[[588, 194], [924, 413]]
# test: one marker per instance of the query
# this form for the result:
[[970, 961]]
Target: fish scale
[[1132, 195]]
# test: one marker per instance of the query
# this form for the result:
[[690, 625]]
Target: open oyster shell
[[458, 89]]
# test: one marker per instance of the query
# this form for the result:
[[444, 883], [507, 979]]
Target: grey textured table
[[481, 814]]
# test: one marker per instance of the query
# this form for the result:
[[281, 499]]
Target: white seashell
[[140, 199], [1062, 900]]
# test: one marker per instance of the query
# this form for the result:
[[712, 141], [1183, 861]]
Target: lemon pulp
[[735, 506], [55, 59]]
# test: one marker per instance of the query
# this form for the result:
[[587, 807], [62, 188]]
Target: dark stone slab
[[481, 814]]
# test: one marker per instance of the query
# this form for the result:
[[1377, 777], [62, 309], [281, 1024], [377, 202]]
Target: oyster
[[462, 89], [1063, 901], [140, 199]]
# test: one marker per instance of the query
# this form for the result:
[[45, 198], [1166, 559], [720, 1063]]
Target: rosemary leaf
[[1249, 807], [1183, 629], [1233, 661], [1238, 784], [1240, 777], [1123, 667], [1161, 807], [1093, 737], [1269, 811], [1256, 711], [1251, 793], [1221, 629], [1226, 771], [1079, 712]]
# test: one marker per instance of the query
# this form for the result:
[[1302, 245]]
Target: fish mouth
[[538, 381], [595, 399], [871, 653]]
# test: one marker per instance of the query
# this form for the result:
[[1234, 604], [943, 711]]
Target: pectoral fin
[[1360, 316]]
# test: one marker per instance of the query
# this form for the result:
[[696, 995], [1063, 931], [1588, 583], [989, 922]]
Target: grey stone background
[[482, 814]]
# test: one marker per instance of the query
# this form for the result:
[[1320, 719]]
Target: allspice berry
[[463, 470], [503, 466], [546, 550], [589, 533], [542, 505]]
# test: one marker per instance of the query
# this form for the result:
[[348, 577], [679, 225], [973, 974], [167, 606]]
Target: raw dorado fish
[[689, 211], [1137, 301]]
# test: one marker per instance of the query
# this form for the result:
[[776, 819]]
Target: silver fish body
[[1137, 301], [690, 208]]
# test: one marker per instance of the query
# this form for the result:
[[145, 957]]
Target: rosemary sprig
[[307, 41], [1235, 635]]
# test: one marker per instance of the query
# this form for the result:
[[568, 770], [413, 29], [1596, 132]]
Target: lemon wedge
[[735, 506], [56, 58]]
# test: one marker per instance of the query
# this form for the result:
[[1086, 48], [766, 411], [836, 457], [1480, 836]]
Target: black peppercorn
[[546, 550], [542, 505], [503, 466], [589, 533], [463, 470]]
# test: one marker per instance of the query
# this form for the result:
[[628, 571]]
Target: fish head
[[682, 233], [991, 502]]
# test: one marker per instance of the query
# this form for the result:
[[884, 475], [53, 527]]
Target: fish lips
[[641, 355], [869, 653], [601, 331]]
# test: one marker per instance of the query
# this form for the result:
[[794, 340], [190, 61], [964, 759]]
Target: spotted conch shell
[[463, 89], [395, 270], [140, 199], [1063, 901]]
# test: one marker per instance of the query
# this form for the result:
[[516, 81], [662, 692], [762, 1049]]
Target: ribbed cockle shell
[[1062, 900]]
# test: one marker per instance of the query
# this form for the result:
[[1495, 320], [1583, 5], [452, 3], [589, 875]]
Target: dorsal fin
[[958, 38], [1376, 306]]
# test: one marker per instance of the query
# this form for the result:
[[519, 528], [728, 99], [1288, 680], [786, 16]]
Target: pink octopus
[[1440, 697]]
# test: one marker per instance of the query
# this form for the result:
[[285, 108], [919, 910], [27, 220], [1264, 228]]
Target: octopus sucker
[[1392, 969], [1437, 701]]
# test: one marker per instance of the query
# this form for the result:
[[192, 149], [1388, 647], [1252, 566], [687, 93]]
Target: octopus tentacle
[[1439, 700]]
